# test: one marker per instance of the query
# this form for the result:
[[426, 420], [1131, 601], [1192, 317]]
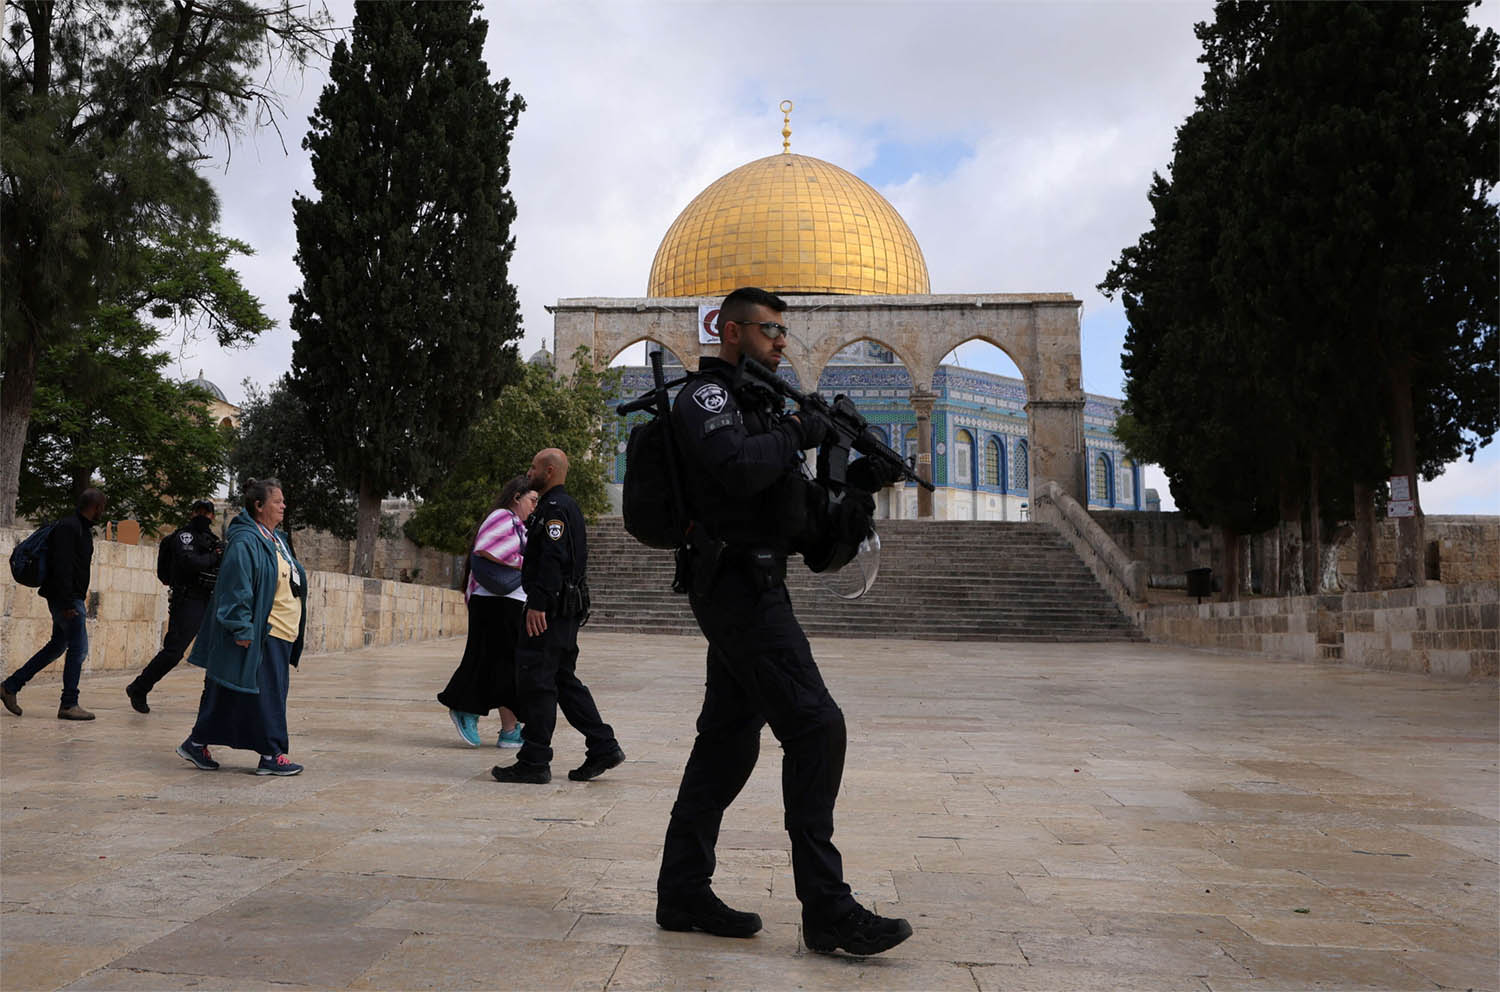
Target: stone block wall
[[128, 611], [1467, 547], [1450, 630], [396, 559]]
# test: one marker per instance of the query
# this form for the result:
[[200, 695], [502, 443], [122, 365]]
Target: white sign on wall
[[708, 316], [1401, 508], [1400, 487]]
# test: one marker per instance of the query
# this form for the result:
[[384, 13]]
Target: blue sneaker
[[467, 725], [510, 738], [198, 755], [279, 765]]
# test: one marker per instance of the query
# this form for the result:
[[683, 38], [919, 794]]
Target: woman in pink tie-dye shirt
[[486, 677]]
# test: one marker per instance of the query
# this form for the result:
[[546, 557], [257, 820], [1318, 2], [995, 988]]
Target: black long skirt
[[251, 721], [486, 677]]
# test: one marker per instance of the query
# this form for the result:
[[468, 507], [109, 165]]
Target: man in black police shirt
[[195, 554], [743, 483], [552, 573]]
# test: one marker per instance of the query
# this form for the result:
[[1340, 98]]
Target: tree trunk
[[1364, 538], [1233, 546], [1312, 552], [367, 528], [17, 391], [1410, 531], [1290, 552]]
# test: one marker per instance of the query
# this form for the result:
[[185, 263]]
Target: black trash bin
[[1200, 582]]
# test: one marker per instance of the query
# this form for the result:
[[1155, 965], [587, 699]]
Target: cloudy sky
[[1016, 139]]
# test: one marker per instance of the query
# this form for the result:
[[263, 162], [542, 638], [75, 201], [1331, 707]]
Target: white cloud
[[634, 107]]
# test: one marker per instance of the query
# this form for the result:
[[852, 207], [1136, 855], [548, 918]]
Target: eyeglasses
[[769, 328]]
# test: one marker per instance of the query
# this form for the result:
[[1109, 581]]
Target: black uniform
[[196, 551], [556, 562], [742, 479]]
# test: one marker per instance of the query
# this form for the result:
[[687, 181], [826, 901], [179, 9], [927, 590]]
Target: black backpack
[[28, 560], [646, 500]]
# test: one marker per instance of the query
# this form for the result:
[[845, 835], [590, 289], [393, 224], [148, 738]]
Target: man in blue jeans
[[70, 555]]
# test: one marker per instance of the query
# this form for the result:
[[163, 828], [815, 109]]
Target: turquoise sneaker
[[467, 725], [510, 738]]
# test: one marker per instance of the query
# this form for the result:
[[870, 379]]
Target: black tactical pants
[[760, 671], [184, 617], [547, 680]]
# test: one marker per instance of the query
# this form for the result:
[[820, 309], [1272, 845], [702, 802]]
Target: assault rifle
[[850, 432]]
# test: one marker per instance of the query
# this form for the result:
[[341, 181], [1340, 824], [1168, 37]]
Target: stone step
[[943, 580]]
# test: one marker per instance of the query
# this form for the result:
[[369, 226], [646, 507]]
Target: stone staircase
[[939, 580]]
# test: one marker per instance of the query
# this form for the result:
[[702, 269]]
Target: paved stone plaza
[[1103, 816]]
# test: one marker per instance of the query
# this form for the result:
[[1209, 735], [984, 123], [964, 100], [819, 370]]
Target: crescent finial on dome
[[786, 127]]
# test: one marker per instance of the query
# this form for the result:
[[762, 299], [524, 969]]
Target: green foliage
[[405, 317], [276, 440], [541, 411], [105, 415], [1322, 258], [107, 109]]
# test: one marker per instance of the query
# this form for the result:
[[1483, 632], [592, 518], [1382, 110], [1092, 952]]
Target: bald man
[[552, 574]]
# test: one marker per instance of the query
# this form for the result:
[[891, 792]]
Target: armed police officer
[[189, 563], [751, 505], [553, 574]]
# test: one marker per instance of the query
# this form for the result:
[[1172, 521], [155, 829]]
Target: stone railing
[[128, 611], [1452, 631], [1124, 579]]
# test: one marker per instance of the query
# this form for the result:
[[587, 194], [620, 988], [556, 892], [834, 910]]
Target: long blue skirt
[[250, 721]]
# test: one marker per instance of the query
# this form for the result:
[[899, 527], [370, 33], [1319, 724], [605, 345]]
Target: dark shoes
[[137, 700], [9, 699], [74, 712], [198, 755], [705, 912], [597, 765], [528, 774], [858, 932]]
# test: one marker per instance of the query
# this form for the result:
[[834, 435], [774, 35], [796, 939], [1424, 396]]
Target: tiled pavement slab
[[1049, 816]]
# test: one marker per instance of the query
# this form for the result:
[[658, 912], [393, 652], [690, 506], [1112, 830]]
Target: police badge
[[555, 529]]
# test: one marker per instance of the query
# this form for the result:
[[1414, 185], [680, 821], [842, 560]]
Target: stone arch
[[1040, 333]]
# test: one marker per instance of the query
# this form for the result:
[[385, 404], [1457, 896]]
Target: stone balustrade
[[1123, 578], [128, 611]]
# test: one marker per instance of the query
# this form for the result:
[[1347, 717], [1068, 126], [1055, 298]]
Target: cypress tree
[[405, 320]]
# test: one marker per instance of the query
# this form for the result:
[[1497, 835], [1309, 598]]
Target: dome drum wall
[[790, 224]]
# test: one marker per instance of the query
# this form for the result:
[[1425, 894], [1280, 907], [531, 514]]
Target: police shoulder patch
[[711, 396], [186, 537], [555, 529]]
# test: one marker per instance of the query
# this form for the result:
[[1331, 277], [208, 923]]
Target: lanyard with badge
[[285, 555]]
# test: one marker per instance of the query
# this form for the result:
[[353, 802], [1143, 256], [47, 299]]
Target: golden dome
[[789, 224]]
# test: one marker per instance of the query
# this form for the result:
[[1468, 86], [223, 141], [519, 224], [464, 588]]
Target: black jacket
[[741, 464], [70, 555], [195, 549], [556, 550]]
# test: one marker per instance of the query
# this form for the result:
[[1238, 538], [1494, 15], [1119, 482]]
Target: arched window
[[1022, 471], [963, 458], [1100, 493], [910, 442], [1127, 483], [880, 432], [994, 462]]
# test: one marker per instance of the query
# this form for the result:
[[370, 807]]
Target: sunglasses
[[769, 328]]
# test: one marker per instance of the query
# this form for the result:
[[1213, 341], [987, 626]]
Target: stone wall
[[1467, 548], [1449, 630], [128, 611], [396, 559]]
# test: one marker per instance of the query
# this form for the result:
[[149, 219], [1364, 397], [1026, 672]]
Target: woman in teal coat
[[250, 639]]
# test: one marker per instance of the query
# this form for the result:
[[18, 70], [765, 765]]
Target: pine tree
[[405, 319]]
